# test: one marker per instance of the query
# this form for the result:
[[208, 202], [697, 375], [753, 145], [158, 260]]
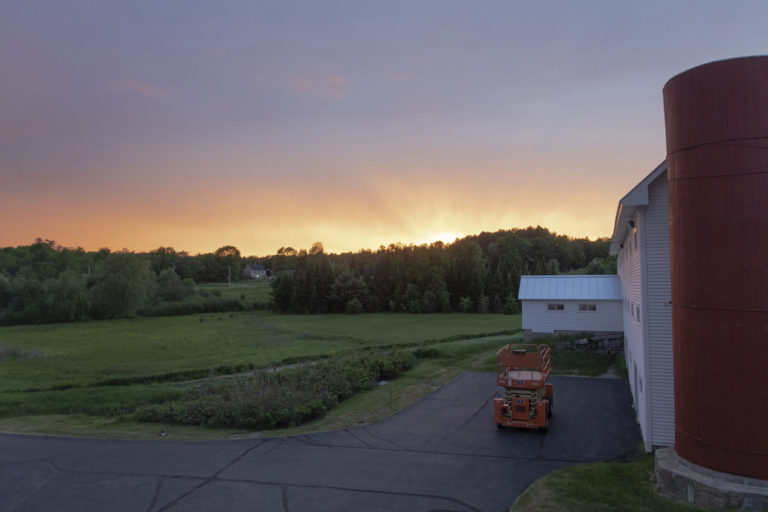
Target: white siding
[[630, 273], [659, 314], [538, 318], [644, 274]]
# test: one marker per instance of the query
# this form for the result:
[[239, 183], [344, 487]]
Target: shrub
[[292, 396], [354, 307]]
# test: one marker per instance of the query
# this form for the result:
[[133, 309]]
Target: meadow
[[89, 378], [250, 291], [105, 369]]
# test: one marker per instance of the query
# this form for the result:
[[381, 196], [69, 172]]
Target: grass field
[[88, 378], [60, 371], [250, 291], [87, 353]]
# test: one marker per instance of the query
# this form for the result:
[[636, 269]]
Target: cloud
[[131, 85], [330, 86]]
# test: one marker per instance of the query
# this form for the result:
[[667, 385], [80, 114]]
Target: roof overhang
[[629, 204]]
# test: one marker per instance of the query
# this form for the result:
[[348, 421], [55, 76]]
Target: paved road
[[441, 454]]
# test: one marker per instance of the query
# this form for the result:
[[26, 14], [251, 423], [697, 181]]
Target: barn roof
[[586, 287]]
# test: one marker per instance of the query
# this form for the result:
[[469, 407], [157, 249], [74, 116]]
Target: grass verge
[[601, 487]]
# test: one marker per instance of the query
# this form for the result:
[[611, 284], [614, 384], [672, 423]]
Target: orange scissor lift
[[528, 398]]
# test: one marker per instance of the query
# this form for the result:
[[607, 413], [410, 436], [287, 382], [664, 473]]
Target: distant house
[[641, 243], [570, 304], [255, 271]]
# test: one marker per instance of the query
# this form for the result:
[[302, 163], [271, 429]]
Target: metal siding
[[717, 144], [659, 316]]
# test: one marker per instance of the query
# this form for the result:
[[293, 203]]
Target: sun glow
[[447, 237]]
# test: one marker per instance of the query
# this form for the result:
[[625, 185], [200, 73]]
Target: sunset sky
[[198, 124]]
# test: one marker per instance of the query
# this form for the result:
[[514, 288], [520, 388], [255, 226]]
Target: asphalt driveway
[[443, 453]]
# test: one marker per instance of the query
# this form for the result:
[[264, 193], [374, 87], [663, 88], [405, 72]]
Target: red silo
[[717, 153]]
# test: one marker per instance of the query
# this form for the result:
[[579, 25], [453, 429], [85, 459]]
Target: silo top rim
[[716, 62]]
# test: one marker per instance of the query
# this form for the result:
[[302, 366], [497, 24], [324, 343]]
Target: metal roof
[[587, 287]]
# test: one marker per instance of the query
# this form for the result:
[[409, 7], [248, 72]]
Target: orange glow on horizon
[[343, 225], [411, 207]]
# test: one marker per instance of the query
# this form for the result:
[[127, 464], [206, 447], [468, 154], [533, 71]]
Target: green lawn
[[602, 487]]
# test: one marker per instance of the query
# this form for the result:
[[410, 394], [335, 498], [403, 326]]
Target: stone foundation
[[687, 482], [597, 341]]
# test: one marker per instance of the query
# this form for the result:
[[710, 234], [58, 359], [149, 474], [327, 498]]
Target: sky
[[267, 124]]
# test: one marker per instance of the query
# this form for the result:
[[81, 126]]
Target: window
[[635, 239], [587, 307], [555, 307], [638, 315]]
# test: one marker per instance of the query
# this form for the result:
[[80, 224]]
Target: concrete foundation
[[684, 481]]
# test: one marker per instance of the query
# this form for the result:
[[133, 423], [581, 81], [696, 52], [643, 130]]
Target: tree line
[[44, 282], [479, 273]]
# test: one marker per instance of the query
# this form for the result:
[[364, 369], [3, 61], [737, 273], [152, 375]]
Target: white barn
[[570, 303], [641, 243]]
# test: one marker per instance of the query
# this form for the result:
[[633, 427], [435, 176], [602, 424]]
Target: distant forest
[[479, 273], [43, 282]]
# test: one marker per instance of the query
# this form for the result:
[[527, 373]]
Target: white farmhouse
[[570, 304], [641, 243]]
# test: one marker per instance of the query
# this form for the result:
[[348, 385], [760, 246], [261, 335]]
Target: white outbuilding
[[570, 304], [641, 243]]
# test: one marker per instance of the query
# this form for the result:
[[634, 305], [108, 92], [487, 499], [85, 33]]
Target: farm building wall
[[659, 311], [630, 273], [644, 270], [539, 318]]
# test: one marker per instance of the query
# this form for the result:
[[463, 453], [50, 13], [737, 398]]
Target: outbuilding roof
[[586, 287]]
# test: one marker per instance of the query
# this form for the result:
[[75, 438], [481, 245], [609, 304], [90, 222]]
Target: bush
[[290, 397], [354, 307], [513, 305], [196, 304]]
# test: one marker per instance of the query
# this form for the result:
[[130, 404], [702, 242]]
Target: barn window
[[587, 307], [555, 307]]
